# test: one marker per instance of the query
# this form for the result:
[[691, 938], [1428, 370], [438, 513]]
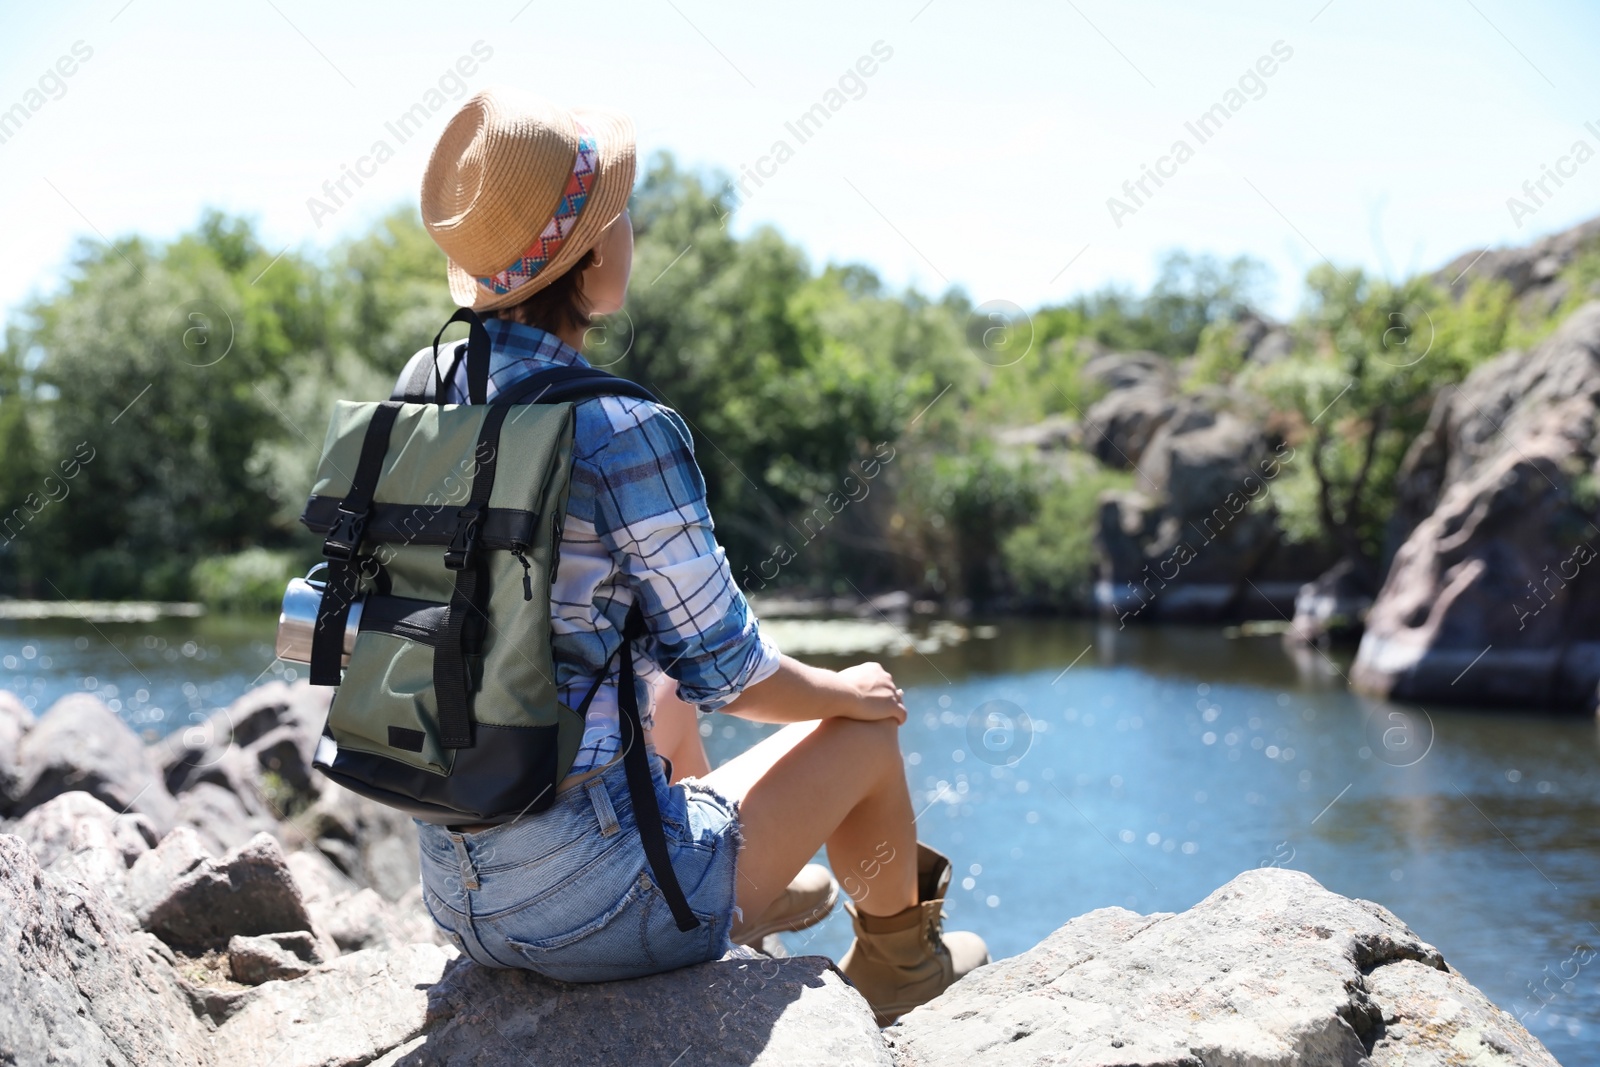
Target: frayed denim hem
[[733, 833]]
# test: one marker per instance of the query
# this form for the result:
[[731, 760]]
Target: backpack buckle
[[344, 536], [464, 543]]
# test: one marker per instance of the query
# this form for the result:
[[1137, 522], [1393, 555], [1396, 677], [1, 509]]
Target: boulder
[[272, 957], [424, 1005], [247, 891], [259, 748], [356, 918], [255, 715], [361, 920], [79, 988], [94, 857], [76, 836], [1124, 370], [1335, 606], [1120, 425], [1193, 541], [283, 756], [319, 880], [220, 817], [371, 844], [15, 721], [155, 873], [1495, 576], [80, 744], [1271, 969], [49, 828]]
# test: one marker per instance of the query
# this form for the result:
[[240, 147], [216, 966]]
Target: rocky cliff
[[282, 927], [1492, 596], [1197, 539]]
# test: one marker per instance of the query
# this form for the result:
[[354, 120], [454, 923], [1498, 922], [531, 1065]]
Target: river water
[[1066, 766]]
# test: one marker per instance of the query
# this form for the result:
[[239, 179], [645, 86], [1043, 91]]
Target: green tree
[[164, 364], [1370, 357], [785, 377]]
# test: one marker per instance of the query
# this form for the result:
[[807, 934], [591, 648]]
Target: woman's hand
[[877, 697]]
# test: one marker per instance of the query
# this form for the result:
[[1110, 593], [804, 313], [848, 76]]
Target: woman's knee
[[876, 741]]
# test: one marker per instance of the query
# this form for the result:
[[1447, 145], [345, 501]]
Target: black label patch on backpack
[[404, 739]]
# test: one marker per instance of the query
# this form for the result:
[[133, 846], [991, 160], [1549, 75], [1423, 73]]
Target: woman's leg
[[676, 734], [837, 782]]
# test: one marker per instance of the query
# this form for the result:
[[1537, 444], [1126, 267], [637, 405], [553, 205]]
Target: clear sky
[[981, 151]]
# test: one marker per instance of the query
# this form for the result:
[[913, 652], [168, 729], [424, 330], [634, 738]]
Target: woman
[[529, 203]]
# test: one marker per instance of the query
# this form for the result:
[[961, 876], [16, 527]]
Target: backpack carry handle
[[477, 357]]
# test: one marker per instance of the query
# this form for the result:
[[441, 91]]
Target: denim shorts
[[567, 892]]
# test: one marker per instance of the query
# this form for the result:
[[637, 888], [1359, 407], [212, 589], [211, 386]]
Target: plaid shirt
[[637, 525]]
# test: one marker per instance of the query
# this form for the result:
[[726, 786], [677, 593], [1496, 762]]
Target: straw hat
[[517, 190]]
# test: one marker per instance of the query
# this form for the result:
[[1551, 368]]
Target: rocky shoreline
[[208, 900]]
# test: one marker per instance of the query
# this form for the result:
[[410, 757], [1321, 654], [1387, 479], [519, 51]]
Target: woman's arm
[[651, 514], [797, 692]]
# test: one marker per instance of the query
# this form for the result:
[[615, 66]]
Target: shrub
[[248, 581], [1052, 558]]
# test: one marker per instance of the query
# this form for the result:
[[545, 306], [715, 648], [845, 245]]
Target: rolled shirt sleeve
[[651, 514]]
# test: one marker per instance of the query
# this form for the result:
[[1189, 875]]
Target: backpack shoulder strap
[[418, 381], [418, 384], [422, 381], [556, 385]]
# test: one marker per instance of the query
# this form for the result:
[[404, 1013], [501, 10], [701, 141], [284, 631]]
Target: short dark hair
[[557, 306]]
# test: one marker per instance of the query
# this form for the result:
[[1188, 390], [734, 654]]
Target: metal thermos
[[297, 622]]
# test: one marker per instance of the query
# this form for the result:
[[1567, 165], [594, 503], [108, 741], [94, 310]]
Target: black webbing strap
[[636, 764], [555, 385], [465, 618], [342, 547], [425, 383]]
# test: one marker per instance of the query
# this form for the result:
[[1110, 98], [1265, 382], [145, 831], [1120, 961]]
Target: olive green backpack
[[442, 528]]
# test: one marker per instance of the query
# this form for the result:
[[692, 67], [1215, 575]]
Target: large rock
[[1123, 370], [76, 986], [424, 1005], [1495, 577], [1120, 425], [1271, 969], [247, 767], [272, 957], [371, 844], [365, 920], [298, 708], [1141, 396], [1198, 540], [248, 891], [80, 744], [221, 818], [1531, 271], [52, 828], [76, 836], [1334, 606], [15, 721], [154, 874]]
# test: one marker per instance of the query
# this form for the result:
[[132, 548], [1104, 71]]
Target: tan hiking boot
[[900, 961], [807, 901]]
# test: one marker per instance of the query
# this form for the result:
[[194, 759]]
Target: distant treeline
[[161, 414]]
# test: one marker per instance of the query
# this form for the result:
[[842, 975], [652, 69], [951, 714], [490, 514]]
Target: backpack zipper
[[527, 571]]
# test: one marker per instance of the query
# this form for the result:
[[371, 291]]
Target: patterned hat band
[[544, 247]]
